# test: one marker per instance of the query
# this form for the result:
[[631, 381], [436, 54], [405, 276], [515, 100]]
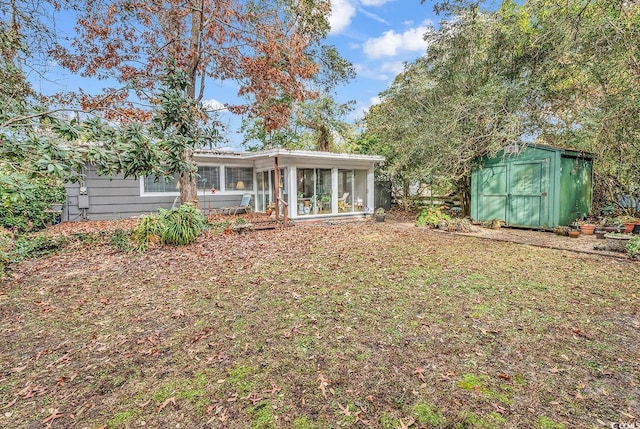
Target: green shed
[[532, 186]]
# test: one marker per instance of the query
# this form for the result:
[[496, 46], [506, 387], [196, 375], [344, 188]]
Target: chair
[[342, 202], [244, 205]]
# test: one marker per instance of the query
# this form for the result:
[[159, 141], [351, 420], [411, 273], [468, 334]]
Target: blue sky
[[377, 36]]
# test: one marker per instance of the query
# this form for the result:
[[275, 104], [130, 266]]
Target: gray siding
[[120, 198]]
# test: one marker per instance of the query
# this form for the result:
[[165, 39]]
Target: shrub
[[147, 232], [36, 246], [179, 226], [633, 247], [432, 217], [23, 202]]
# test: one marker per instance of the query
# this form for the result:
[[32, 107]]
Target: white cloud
[[213, 104], [375, 100], [391, 43], [374, 2], [342, 11], [373, 16]]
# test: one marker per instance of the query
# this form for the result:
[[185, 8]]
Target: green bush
[[5, 246], [432, 217], [179, 227], [633, 247], [23, 202]]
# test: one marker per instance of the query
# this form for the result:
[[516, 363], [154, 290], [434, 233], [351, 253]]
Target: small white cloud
[[375, 100], [375, 2], [342, 11], [373, 16], [391, 43], [213, 104]]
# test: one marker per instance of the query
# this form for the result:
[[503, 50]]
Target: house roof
[[286, 153]]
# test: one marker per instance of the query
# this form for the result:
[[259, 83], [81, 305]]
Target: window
[[238, 178], [208, 177], [153, 184]]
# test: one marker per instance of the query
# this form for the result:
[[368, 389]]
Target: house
[[533, 186], [313, 184]]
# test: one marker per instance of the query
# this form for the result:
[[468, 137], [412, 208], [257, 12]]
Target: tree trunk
[[188, 188], [463, 189]]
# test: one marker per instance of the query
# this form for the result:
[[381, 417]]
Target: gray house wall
[[119, 198]]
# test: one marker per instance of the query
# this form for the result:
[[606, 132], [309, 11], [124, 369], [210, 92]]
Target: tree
[[564, 74], [260, 44], [462, 100]]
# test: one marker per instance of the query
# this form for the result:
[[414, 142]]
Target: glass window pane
[[238, 178], [153, 184], [360, 190], [208, 177]]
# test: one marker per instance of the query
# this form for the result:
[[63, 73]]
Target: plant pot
[[57, 207], [617, 242], [587, 229], [379, 218], [628, 227], [574, 233]]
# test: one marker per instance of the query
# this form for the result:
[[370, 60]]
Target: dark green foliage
[[24, 201]]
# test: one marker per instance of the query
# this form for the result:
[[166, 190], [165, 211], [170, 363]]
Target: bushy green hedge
[[23, 202]]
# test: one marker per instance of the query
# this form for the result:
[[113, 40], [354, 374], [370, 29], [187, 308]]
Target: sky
[[376, 36]]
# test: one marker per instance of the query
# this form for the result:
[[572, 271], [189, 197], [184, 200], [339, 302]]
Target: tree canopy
[[562, 74]]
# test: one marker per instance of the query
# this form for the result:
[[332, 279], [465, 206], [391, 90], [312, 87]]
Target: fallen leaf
[[344, 410], [171, 400], [420, 372], [55, 414], [324, 382], [408, 424]]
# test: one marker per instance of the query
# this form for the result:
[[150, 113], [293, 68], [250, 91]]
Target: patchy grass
[[376, 325]]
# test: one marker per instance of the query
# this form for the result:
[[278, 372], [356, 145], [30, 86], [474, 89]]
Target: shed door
[[493, 193], [528, 190]]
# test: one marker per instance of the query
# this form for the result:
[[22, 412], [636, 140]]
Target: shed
[[532, 186]]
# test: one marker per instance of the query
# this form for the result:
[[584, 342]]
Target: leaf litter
[[305, 323]]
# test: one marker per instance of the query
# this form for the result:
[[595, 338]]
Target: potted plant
[[380, 214], [617, 241], [561, 230], [586, 227], [574, 233], [629, 222]]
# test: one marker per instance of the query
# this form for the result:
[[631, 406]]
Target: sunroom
[[309, 184]]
